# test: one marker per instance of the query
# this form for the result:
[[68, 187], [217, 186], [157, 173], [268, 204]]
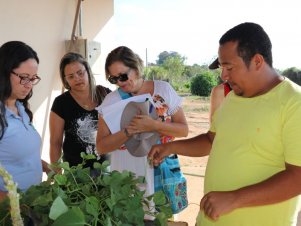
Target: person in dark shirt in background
[[73, 118]]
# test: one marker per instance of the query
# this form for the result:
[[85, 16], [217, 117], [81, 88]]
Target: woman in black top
[[73, 118]]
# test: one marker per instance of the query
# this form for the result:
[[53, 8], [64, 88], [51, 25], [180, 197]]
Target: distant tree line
[[293, 74], [195, 79]]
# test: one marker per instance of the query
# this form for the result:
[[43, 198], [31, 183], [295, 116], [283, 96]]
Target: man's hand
[[158, 153], [216, 204]]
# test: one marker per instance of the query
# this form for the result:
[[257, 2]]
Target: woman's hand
[[142, 123]]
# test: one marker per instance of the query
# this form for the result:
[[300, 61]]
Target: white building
[[45, 25]]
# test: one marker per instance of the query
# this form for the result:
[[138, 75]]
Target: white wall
[[45, 25]]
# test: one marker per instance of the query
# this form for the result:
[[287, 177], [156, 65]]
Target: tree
[[191, 71], [202, 84], [174, 65], [293, 74], [155, 73], [164, 55]]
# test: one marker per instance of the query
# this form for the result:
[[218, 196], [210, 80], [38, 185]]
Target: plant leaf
[[65, 165], [73, 217], [92, 206], [103, 166], [58, 208], [42, 200], [161, 219], [87, 156], [60, 179], [160, 198]]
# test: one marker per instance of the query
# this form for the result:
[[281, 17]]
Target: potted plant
[[74, 197]]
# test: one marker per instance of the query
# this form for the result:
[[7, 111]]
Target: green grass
[[203, 99], [202, 104], [204, 108]]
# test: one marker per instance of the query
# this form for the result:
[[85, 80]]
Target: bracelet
[[126, 132]]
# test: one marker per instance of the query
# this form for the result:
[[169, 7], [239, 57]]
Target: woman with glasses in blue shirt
[[19, 141]]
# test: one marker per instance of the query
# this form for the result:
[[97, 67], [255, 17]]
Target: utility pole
[[146, 64]]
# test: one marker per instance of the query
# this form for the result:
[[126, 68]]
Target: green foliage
[[163, 56], [74, 197], [293, 74], [181, 87], [202, 84], [174, 67], [176, 86], [155, 73], [171, 67], [187, 85], [191, 71]]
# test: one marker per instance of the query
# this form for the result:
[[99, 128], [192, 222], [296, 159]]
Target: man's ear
[[258, 60]]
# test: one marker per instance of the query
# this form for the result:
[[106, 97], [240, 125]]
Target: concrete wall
[[45, 25]]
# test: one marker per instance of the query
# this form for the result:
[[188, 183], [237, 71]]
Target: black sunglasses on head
[[122, 78]]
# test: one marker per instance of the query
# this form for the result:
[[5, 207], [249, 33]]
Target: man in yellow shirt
[[253, 176]]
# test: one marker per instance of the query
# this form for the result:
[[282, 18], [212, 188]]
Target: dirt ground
[[194, 168]]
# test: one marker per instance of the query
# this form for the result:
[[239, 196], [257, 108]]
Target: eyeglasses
[[122, 78], [24, 79], [80, 74]]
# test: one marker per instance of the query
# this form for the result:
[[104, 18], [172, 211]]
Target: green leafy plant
[[202, 83], [79, 196]]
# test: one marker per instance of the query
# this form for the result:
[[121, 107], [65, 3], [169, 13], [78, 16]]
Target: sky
[[193, 27]]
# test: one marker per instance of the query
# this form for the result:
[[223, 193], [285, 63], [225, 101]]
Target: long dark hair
[[12, 54], [97, 93]]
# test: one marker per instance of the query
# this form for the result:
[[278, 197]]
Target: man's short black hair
[[252, 39]]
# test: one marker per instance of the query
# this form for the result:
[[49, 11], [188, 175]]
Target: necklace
[[85, 106], [85, 103], [88, 106]]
